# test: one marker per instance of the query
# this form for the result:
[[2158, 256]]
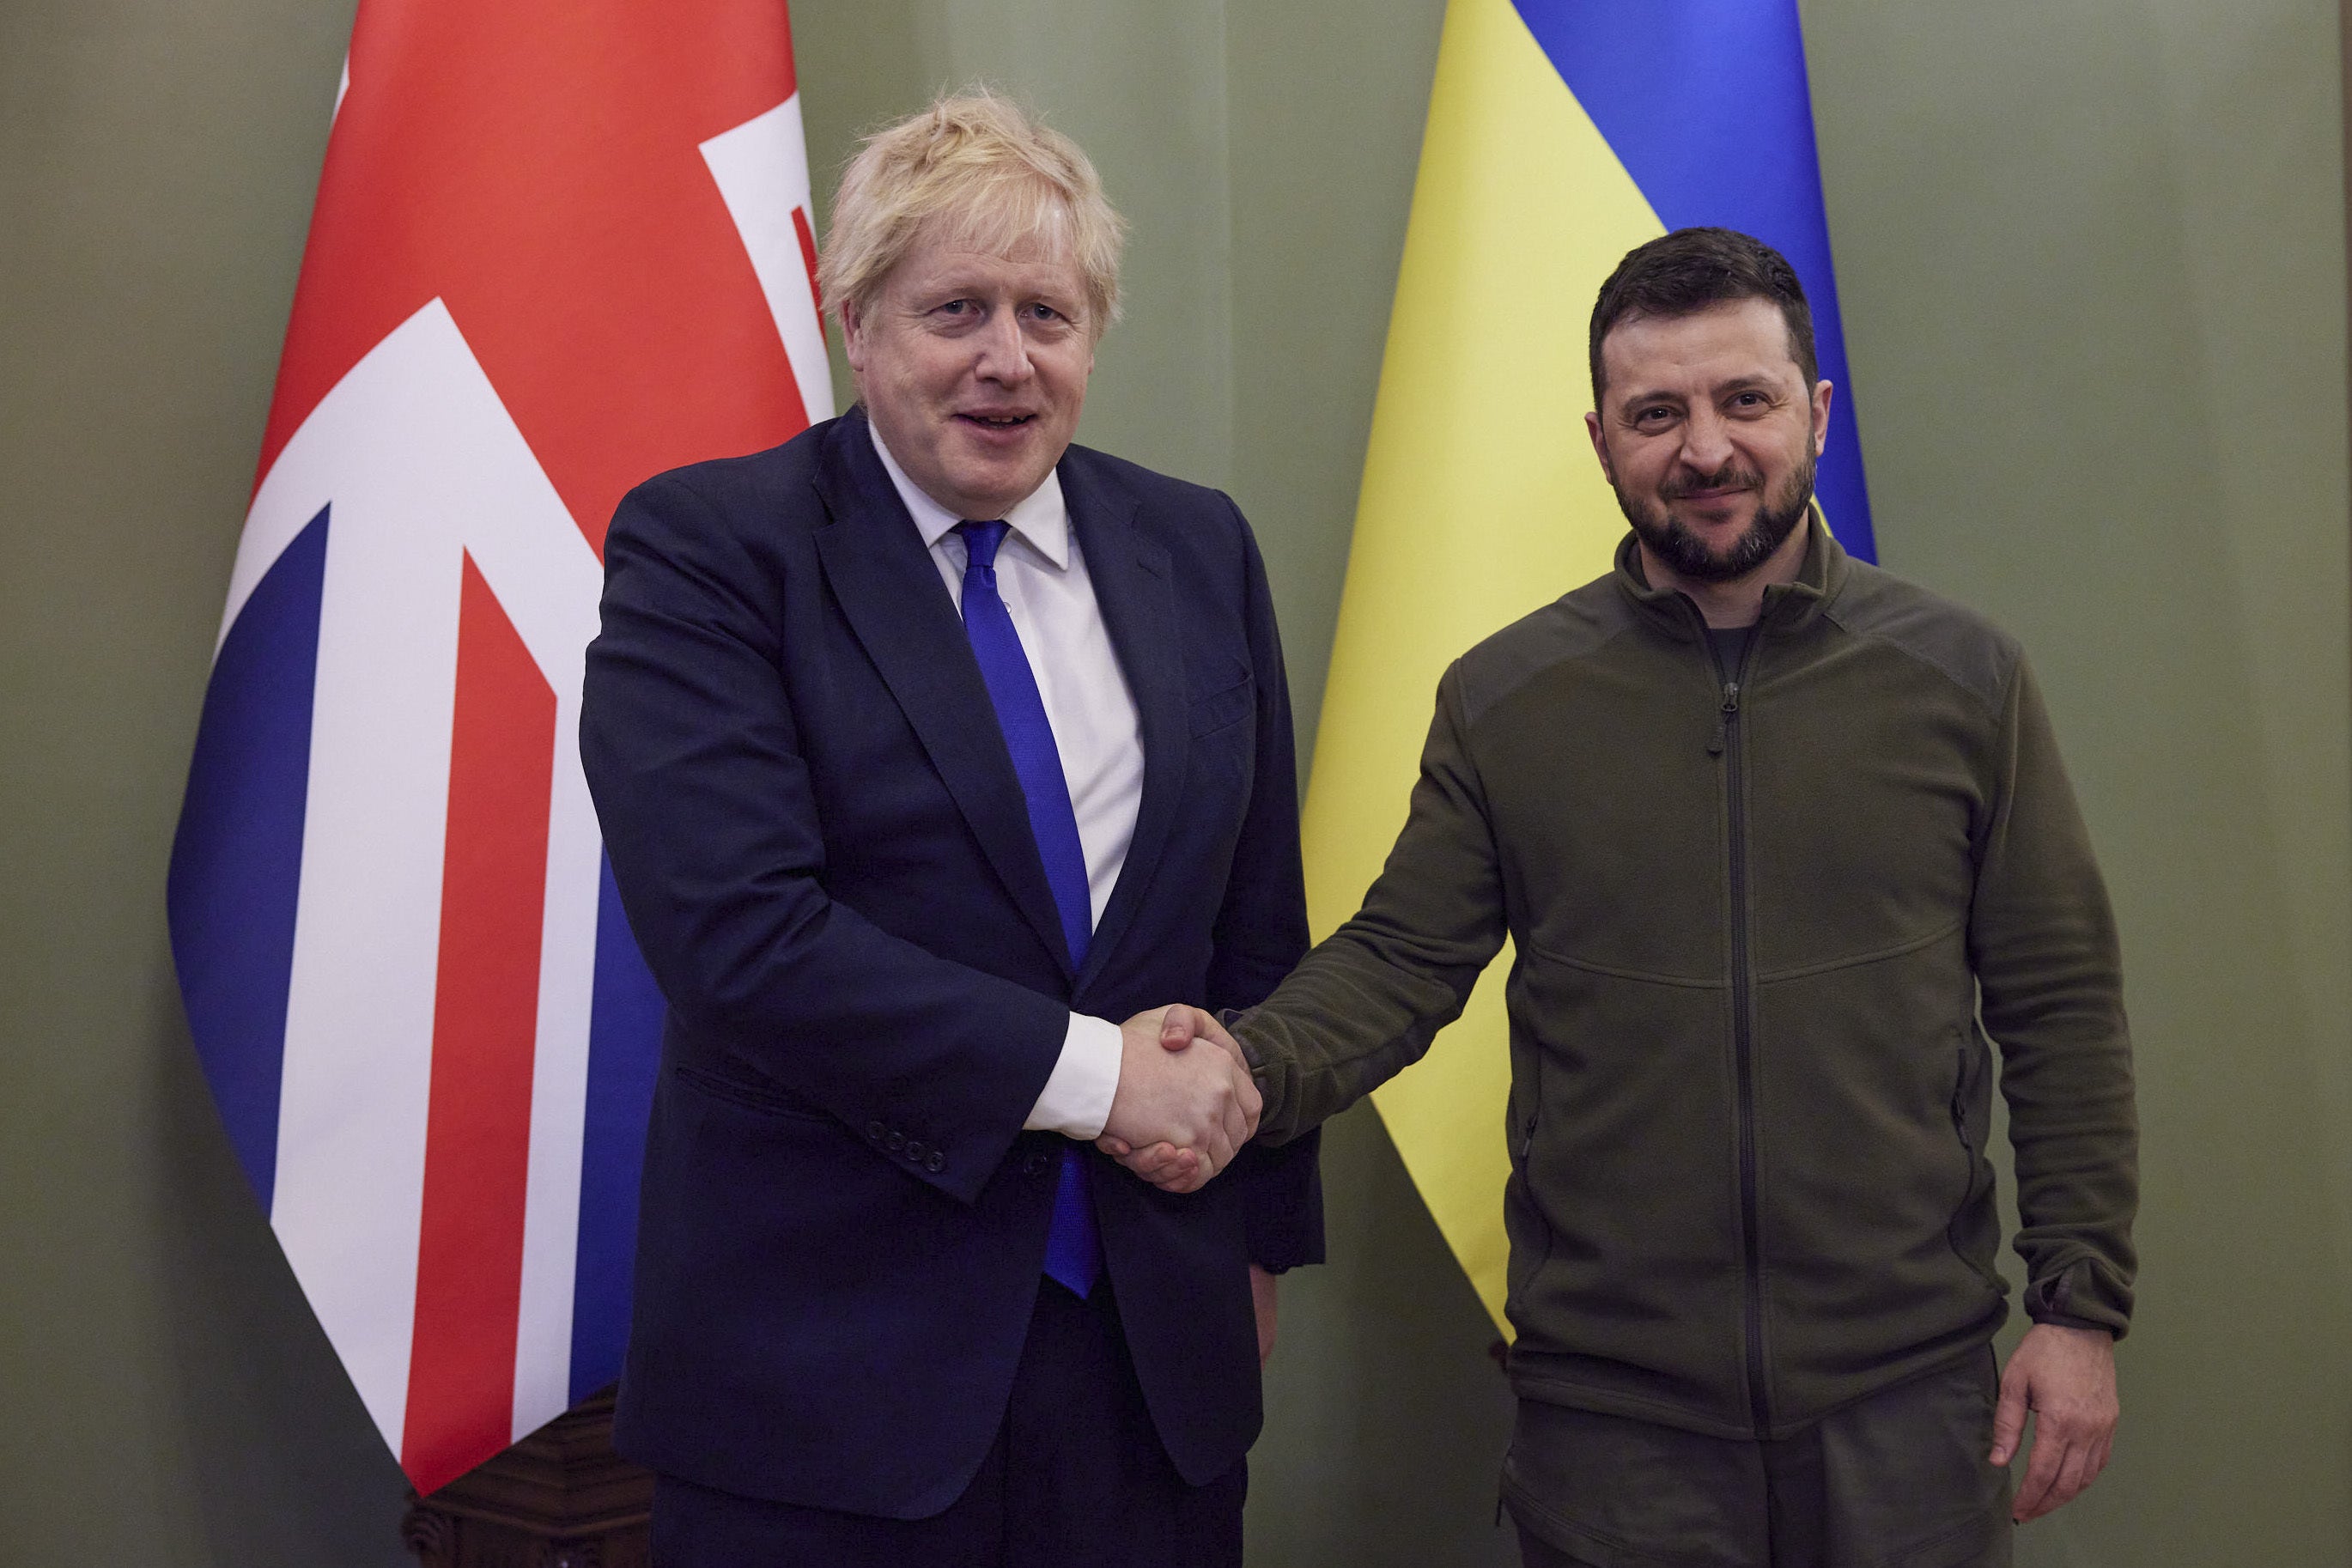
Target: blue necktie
[[1073, 1246]]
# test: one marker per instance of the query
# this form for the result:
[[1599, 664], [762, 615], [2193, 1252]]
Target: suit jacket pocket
[[1223, 709], [767, 1098]]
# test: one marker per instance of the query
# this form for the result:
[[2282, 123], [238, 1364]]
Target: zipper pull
[[1723, 718]]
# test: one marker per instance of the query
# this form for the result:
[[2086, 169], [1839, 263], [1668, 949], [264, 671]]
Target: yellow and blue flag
[[1562, 135]]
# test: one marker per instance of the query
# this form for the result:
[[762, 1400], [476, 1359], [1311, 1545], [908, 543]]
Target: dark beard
[[1688, 555]]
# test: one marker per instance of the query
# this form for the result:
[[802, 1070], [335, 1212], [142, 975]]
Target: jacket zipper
[[1760, 1406]]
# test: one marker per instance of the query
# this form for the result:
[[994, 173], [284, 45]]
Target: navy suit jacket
[[826, 854]]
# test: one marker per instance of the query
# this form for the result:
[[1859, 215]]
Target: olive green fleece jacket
[[1764, 920]]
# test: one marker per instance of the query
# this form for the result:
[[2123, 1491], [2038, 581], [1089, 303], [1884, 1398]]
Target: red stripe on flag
[[808, 257], [485, 1025]]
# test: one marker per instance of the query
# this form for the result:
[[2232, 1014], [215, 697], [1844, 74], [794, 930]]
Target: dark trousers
[[1077, 1476], [1898, 1480]]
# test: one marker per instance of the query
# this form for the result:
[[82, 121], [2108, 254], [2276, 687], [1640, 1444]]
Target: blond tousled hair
[[984, 169]]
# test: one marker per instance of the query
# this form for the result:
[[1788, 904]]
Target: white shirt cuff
[[1076, 1097]]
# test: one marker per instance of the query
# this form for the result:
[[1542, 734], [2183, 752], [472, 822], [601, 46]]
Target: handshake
[[1185, 1102]]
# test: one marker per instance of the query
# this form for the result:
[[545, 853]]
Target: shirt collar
[[1042, 517]]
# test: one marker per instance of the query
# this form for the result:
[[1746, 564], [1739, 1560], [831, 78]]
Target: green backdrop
[[2092, 255]]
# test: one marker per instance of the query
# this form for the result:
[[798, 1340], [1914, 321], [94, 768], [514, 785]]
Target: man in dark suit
[[925, 745]]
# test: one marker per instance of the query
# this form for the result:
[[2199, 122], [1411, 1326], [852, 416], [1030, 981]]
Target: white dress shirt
[[1041, 573]]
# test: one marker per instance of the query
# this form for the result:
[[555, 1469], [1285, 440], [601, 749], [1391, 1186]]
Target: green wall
[[168, 1400], [2093, 262], [2093, 257]]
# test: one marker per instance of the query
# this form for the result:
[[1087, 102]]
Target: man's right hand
[[1165, 1162], [1190, 1106]]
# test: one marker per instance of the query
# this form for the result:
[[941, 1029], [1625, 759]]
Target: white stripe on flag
[[421, 464], [762, 169], [548, 582]]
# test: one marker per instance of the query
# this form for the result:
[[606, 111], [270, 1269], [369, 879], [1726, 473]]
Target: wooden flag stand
[[559, 1499]]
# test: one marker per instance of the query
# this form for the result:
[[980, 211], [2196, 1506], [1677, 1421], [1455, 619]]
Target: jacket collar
[[881, 573], [1041, 518], [1135, 589], [1787, 606]]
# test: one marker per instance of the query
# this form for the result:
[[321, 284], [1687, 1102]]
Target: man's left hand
[[2068, 1378], [1263, 1286]]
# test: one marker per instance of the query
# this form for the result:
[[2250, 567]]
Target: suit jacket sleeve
[[695, 762], [1261, 933]]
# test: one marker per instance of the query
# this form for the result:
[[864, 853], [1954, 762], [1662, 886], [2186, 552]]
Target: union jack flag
[[557, 248]]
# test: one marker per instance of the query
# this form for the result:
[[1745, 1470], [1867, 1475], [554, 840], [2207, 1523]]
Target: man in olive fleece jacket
[[1780, 842]]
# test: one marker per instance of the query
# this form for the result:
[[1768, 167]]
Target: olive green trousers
[[1898, 1480]]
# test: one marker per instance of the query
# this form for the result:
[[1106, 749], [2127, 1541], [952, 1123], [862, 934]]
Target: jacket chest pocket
[[1224, 708]]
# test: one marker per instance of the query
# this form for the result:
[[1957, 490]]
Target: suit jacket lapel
[[1136, 591], [890, 591]]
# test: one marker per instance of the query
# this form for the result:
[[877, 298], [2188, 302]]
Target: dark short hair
[[1685, 272]]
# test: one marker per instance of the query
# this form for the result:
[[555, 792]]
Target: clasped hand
[[1185, 1102]]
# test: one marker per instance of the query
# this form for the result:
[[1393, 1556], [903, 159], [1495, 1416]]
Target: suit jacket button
[[874, 1132], [935, 1164], [897, 1140], [1035, 1165], [914, 1152]]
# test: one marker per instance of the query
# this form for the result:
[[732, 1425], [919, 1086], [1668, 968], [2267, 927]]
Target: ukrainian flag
[[1562, 135]]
